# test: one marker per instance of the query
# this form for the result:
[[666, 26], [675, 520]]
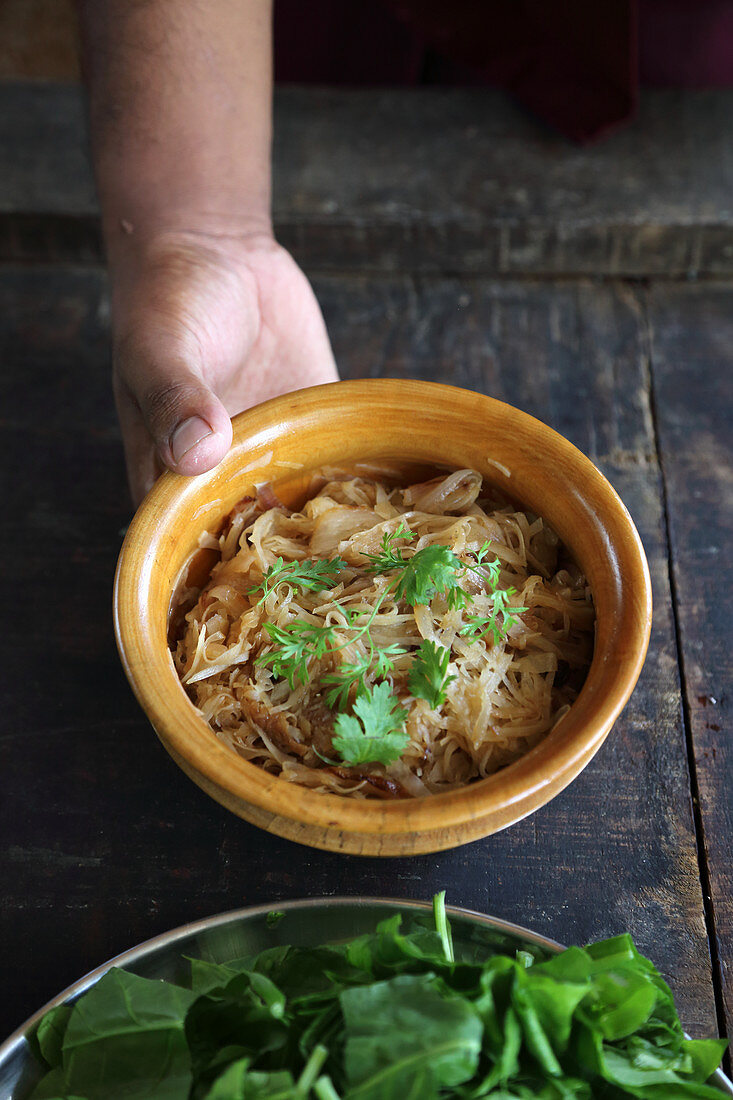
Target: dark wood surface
[[104, 842], [693, 380], [427, 180]]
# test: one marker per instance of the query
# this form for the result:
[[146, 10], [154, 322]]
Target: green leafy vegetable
[[442, 927], [408, 1029], [125, 1037], [50, 1034], [396, 1014], [375, 731], [428, 676], [430, 571], [239, 1081], [242, 1019]]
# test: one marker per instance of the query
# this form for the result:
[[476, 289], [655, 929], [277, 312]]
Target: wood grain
[[106, 842], [431, 180], [692, 361]]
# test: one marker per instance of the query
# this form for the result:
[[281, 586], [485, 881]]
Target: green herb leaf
[[380, 661], [306, 576], [491, 568], [389, 556], [296, 643], [503, 615], [430, 571], [385, 657], [343, 681], [478, 626], [376, 730], [428, 678]]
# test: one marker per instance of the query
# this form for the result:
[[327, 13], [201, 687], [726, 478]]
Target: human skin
[[209, 314]]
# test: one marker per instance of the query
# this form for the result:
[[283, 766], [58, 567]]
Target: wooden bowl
[[403, 424]]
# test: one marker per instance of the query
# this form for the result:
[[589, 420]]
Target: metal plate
[[246, 931]]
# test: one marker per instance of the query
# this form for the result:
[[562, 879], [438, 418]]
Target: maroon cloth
[[577, 64], [686, 43]]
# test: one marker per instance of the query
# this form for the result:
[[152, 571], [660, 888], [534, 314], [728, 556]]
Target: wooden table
[[448, 237]]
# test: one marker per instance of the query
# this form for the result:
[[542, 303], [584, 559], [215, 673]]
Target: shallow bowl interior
[[400, 425]]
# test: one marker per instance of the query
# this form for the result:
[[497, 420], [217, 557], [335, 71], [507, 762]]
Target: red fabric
[[577, 64]]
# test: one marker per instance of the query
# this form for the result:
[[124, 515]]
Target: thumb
[[186, 422]]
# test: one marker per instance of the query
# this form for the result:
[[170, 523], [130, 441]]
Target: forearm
[[209, 315], [180, 108]]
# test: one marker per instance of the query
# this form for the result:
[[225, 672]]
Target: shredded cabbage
[[504, 696]]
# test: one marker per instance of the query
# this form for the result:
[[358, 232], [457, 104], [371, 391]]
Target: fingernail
[[187, 435]]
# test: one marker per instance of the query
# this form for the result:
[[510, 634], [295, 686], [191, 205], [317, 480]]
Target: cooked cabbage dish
[[386, 641]]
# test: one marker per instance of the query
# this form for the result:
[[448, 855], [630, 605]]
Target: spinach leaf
[[125, 1037], [406, 1029], [53, 1087], [388, 950], [242, 1019], [207, 975], [303, 972], [50, 1033], [239, 1081]]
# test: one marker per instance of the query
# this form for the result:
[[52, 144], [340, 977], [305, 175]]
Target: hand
[[204, 327]]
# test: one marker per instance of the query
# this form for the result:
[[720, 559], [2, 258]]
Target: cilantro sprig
[[428, 677], [478, 626], [430, 571], [307, 576], [379, 661], [376, 729], [294, 645], [422, 576], [390, 557]]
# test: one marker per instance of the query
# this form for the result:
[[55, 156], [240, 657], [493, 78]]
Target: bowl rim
[[14, 1043], [200, 752]]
